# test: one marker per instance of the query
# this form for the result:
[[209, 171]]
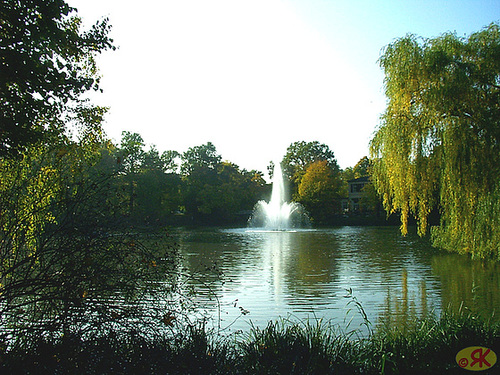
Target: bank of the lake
[[426, 346]]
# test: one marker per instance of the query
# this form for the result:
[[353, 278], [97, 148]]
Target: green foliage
[[148, 189], [69, 268], [315, 176], [213, 191], [65, 262], [47, 63], [190, 352], [362, 167], [427, 346], [66, 265], [151, 191], [131, 153], [200, 157], [439, 141], [301, 154]]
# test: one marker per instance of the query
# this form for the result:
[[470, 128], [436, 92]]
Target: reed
[[428, 345], [285, 346], [297, 347]]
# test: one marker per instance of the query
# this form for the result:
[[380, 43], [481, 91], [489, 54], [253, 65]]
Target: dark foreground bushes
[[427, 346]]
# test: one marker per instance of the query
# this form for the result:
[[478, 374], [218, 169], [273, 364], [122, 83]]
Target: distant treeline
[[198, 187]]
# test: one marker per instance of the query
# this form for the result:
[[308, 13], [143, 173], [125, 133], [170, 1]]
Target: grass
[[306, 347], [426, 346]]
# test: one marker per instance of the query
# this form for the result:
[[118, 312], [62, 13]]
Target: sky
[[254, 76]]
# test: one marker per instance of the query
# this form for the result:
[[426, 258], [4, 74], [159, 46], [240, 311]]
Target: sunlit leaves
[[299, 155], [47, 62], [63, 251], [204, 156], [438, 145], [319, 190], [319, 184], [26, 193]]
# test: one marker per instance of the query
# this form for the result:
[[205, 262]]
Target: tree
[[168, 159], [240, 189], [131, 152], [361, 169], [204, 156], [66, 265], [152, 160], [300, 155], [215, 190], [319, 190], [199, 172], [47, 62], [150, 188], [157, 191], [64, 257], [438, 145], [130, 158]]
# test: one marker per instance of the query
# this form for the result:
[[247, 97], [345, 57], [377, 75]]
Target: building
[[353, 202]]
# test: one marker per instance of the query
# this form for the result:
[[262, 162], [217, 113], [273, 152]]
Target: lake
[[309, 273]]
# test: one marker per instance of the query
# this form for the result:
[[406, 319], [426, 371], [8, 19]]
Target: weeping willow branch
[[438, 144]]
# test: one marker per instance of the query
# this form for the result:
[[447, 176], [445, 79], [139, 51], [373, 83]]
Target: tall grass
[[428, 346], [286, 346], [304, 347], [192, 352]]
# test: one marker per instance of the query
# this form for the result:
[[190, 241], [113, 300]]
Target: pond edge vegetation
[[285, 346]]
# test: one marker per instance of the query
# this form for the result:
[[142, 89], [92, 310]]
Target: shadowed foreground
[[284, 347]]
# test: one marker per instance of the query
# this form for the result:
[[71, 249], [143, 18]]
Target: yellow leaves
[[431, 147], [28, 186], [317, 180], [430, 160]]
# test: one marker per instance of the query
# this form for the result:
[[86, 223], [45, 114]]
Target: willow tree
[[438, 144]]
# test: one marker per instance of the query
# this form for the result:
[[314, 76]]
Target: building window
[[356, 188]]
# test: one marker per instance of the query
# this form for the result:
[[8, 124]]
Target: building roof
[[360, 179]]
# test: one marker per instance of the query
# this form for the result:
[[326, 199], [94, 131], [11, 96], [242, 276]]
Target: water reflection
[[401, 307], [474, 285], [276, 250], [306, 273]]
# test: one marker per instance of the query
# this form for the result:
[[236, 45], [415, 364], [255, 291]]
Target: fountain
[[278, 214]]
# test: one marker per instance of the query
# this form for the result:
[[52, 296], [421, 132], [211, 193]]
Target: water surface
[[306, 273]]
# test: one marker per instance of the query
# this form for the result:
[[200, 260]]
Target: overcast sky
[[254, 76]]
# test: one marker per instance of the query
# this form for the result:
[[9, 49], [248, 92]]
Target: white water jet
[[278, 214]]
